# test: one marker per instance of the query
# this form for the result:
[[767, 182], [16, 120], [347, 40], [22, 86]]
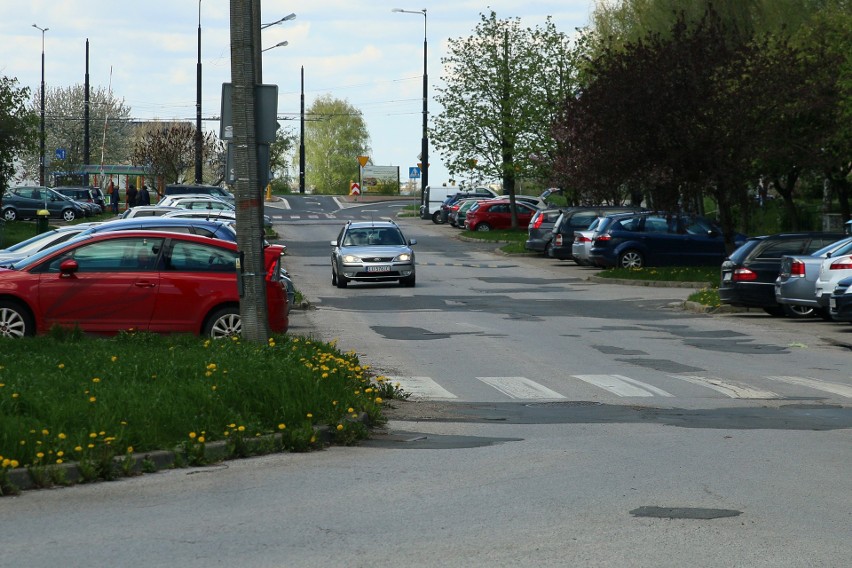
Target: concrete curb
[[67, 474]]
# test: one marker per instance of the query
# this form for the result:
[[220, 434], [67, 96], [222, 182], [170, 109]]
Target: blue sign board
[[414, 173], [60, 153]]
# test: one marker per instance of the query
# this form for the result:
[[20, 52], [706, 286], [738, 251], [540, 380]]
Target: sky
[[356, 50]]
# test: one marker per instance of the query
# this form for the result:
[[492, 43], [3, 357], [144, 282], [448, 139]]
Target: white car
[[832, 270], [196, 202], [146, 211]]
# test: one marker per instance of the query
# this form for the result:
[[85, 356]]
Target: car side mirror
[[68, 267], [412, 242], [712, 233], [334, 243]]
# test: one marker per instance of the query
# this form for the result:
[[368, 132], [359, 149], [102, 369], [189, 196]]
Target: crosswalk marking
[[520, 387], [825, 386], [726, 388], [422, 388], [622, 386]]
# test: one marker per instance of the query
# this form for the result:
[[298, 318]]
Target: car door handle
[[144, 284]]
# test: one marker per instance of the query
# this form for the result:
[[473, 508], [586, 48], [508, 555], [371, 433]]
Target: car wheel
[[548, 249], [774, 311], [437, 219], [15, 321], [341, 281], [333, 277], [223, 323], [631, 259], [792, 311], [10, 214], [483, 227], [408, 281], [69, 215]]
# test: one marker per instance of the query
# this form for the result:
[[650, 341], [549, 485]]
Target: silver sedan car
[[372, 251], [795, 287]]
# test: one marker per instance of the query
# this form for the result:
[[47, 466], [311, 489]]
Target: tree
[[64, 111], [167, 150], [504, 85], [18, 127], [334, 138], [280, 153]]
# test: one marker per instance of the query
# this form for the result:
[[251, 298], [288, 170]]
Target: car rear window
[[744, 250]]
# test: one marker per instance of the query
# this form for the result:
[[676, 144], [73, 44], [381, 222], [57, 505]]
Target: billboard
[[380, 179]]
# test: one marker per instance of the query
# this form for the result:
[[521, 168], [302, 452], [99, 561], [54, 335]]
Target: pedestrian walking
[[131, 196], [112, 191], [143, 197]]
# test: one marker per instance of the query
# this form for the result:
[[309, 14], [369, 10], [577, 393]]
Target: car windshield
[[843, 246], [37, 257], [366, 237]]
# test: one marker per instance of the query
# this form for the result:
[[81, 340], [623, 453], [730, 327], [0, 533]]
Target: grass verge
[[67, 398]]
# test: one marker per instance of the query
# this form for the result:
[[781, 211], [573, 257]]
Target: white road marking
[[520, 387], [422, 388], [730, 390], [622, 386], [825, 386]]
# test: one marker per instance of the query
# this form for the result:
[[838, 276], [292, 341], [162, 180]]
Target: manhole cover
[[684, 513], [558, 403]]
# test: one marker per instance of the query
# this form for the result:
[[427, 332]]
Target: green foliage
[[709, 274], [335, 136], [99, 404], [503, 88], [168, 150], [18, 128]]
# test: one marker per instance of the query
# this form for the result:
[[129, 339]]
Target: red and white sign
[[354, 188]]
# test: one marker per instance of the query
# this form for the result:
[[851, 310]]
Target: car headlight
[[351, 259], [404, 257]]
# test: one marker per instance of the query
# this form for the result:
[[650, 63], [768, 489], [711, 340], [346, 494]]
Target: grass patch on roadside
[[68, 398], [514, 240], [708, 274]]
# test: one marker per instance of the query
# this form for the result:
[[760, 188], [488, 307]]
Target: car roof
[[363, 224], [161, 220]]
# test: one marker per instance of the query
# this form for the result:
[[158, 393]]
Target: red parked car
[[496, 214], [143, 280]]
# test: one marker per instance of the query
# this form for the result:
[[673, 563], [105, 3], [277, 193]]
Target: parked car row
[[148, 273], [26, 202]]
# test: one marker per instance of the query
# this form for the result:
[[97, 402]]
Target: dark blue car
[[635, 240]]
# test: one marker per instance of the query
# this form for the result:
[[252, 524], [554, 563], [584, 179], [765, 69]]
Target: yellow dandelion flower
[[207, 373], [90, 446], [192, 435], [379, 400], [325, 375], [59, 460], [92, 399], [339, 427], [282, 426], [45, 432], [6, 462], [201, 439], [310, 415], [14, 463], [129, 449], [61, 365], [62, 436], [40, 455], [78, 448], [241, 429], [113, 358], [211, 367], [213, 387], [60, 453], [334, 403], [232, 425], [15, 395], [96, 380]]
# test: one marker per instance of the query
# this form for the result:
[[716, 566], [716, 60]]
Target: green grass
[[514, 240], [68, 398], [708, 274]]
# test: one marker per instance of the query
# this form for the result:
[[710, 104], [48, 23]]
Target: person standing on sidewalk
[[131, 196]]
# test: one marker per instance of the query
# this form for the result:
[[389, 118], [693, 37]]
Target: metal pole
[[302, 138], [424, 150], [41, 130], [87, 152], [198, 151]]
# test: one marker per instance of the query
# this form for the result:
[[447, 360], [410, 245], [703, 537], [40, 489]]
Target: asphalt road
[[556, 422]]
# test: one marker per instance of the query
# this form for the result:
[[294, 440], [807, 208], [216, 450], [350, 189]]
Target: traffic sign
[[414, 173], [354, 188], [60, 153]]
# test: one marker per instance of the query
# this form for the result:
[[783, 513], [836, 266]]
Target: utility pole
[[86, 145], [198, 150], [302, 138], [245, 75]]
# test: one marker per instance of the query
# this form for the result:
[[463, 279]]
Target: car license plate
[[832, 304], [379, 268], [726, 277]]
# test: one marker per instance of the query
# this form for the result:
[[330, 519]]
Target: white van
[[435, 196]]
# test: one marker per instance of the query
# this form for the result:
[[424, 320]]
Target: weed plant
[[65, 397]]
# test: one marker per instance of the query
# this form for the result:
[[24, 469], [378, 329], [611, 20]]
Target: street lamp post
[[424, 142], [41, 131], [286, 18], [279, 44]]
